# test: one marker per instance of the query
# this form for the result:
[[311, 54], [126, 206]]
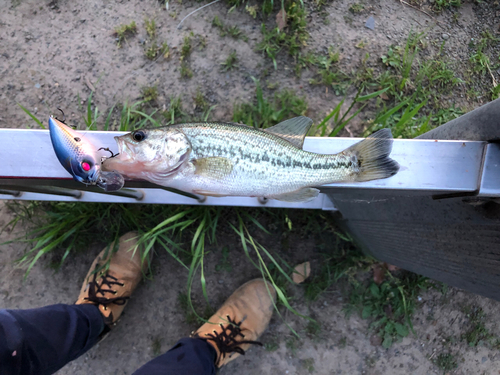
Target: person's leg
[[227, 334], [189, 356], [41, 341]]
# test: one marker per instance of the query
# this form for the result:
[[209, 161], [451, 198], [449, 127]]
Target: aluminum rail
[[31, 171]]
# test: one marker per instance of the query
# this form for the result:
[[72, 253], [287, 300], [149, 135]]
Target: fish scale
[[224, 159]]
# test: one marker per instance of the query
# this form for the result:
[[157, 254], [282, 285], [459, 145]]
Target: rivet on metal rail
[[129, 193], [262, 200], [14, 193]]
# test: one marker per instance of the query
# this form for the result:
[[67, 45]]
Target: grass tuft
[[264, 112], [231, 62], [124, 31], [446, 362]]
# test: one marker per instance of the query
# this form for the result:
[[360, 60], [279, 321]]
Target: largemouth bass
[[224, 159]]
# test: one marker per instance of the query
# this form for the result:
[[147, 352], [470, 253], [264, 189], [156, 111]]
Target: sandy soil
[[53, 53]]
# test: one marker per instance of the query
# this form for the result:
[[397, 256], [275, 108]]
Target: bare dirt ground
[[52, 54]]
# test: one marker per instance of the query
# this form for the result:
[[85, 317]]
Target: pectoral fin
[[293, 130], [213, 167], [301, 195]]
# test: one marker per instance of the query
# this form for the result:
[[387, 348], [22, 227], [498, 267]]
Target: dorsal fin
[[293, 130]]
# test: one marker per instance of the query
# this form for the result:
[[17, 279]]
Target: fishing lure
[[81, 158]]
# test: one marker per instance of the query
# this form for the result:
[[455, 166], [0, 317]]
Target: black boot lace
[[96, 288], [226, 341]]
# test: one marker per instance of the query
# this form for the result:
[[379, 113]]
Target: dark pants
[[41, 341]]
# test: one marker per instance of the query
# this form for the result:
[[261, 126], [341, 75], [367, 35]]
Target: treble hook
[[64, 117], [108, 150]]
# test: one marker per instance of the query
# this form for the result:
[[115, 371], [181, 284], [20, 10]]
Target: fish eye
[[86, 166], [138, 135]]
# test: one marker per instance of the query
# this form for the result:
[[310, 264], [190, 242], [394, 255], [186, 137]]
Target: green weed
[[356, 8], [252, 10], [446, 362], [224, 262], [264, 112], [340, 121], [199, 100], [308, 364], [155, 50], [156, 346], [271, 346], [231, 62], [233, 31], [480, 62], [439, 5], [477, 333], [389, 305], [186, 71], [327, 71], [150, 26], [175, 112], [216, 22], [202, 105], [187, 46], [293, 345], [342, 259], [293, 38], [313, 329], [149, 93], [342, 342], [495, 92], [122, 32]]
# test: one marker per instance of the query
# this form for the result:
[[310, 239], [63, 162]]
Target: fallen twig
[[495, 84], [194, 11], [420, 10], [89, 84]]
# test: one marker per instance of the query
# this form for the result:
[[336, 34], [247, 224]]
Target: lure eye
[[138, 135], [86, 166]]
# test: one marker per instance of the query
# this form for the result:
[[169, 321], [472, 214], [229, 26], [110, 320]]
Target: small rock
[[301, 272], [37, 85], [370, 23], [445, 36], [484, 359], [376, 340], [221, 281]]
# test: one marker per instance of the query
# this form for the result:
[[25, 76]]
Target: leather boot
[[240, 321], [110, 287]]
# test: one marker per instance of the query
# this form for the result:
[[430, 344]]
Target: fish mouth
[[125, 153]]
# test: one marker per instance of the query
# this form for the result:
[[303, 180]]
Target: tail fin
[[373, 157]]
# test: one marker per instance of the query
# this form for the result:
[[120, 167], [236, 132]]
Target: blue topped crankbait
[[81, 158]]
